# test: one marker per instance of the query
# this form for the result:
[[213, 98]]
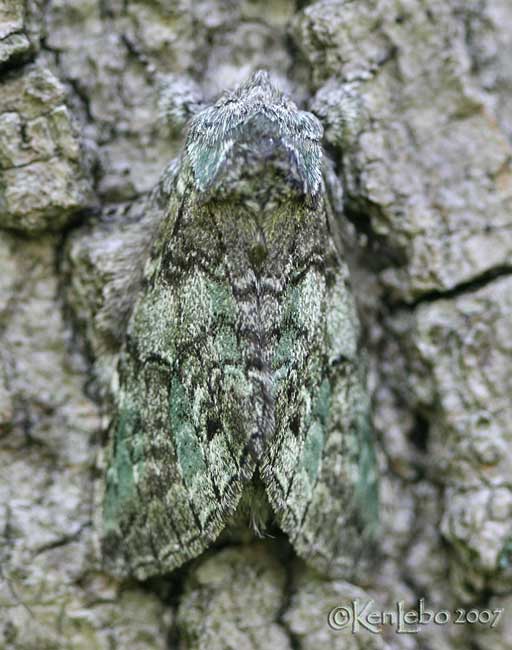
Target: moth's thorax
[[255, 132], [260, 171]]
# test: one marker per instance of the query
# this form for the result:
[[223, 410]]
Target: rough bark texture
[[416, 99]]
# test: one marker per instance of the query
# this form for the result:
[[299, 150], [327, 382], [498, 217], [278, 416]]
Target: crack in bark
[[464, 288], [62, 541]]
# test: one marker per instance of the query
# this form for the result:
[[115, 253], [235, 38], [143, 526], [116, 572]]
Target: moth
[[240, 384]]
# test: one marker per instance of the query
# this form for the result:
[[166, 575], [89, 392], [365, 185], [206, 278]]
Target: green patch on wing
[[315, 437], [284, 353], [128, 458], [188, 447], [313, 447], [366, 489]]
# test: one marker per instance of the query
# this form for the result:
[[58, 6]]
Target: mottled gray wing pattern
[[178, 458], [320, 469]]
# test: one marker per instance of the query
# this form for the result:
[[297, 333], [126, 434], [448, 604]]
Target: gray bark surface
[[416, 100]]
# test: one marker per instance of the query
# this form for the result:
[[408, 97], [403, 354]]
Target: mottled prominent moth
[[241, 369]]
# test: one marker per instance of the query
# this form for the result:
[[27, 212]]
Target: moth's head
[[255, 141]]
